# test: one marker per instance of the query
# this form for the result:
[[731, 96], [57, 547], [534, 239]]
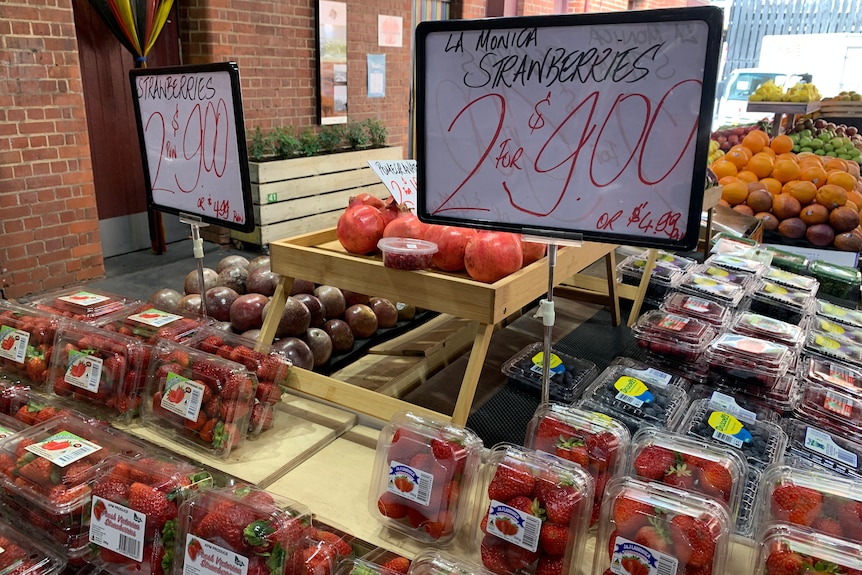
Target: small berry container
[[788, 261], [87, 305], [676, 335], [838, 314], [827, 345], [779, 302], [323, 550], [198, 399], [594, 441], [788, 548], [271, 367], [133, 512], [26, 344], [767, 328], [831, 394], [708, 287], [729, 399], [10, 426], [532, 508], [833, 451], [407, 253], [737, 263], [743, 360], [685, 463], [792, 280], [645, 371], [24, 554], [362, 566], [664, 277], [656, 528], [741, 279], [672, 259], [31, 408], [150, 324], [568, 375], [709, 311], [620, 393], [843, 331], [823, 501], [242, 526], [838, 283], [423, 471], [434, 562], [46, 475]]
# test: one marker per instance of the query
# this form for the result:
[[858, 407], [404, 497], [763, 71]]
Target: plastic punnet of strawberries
[[150, 324], [436, 562], [26, 344], [242, 526], [786, 549], [648, 528], [133, 512], [594, 441], [23, 554], [422, 472], [534, 511]]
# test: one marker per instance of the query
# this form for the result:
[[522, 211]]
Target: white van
[[733, 94]]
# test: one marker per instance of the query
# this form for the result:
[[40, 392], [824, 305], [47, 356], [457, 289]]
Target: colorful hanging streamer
[[136, 23]]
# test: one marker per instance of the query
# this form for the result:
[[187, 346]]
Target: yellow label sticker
[[724, 422], [775, 289], [631, 386], [826, 342]]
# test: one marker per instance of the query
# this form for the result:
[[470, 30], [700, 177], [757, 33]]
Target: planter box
[[301, 195]]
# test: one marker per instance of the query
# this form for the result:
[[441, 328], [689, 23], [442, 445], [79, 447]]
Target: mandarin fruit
[[734, 193], [803, 190], [753, 142], [722, 168], [814, 174], [772, 185], [781, 144], [831, 196], [747, 176], [761, 164], [843, 179]]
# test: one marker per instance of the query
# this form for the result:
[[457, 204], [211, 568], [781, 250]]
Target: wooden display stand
[[781, 109], [319, 257]]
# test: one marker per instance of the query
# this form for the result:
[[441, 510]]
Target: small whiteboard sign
[[399, 177], [592, 126], [192, 134]]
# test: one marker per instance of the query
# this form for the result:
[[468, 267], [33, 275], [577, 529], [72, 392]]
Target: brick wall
[[49, 232]]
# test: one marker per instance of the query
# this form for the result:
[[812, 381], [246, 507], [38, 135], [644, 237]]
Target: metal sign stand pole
[[198, 249], [546, 312]]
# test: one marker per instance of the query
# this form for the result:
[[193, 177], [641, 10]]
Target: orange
[[814, 174], [831, 196], [842, 179], [761, 164], [809, 156], [753, 142], [769, 152], [781, 144], [727, 179], [734, 193], [747, 176], [835, 164], [804, 191], [723, 168], [738, 156], [772, 185], [855, 197], [788, 156], [787, 185], [764, 137], [785, 171], [853, 205]]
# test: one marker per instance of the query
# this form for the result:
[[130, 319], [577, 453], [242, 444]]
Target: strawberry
[[178, 357], [553, 427], [111, 489], [444, 449], [715, 479], [680, 475], [317, 559], [233, 411], [210, 344], [510, 480], [264, 534], [41, 472], [493, 553], [520, 559], [415, 517], [438, 526], [341, 547], [27, 413], [390, 505], [405, 444], [850, 518], [561, 502], [554, 538], [261, 417], [630, 515], [527, 505], [828, 526], [207, 432], [573, 449], [655, 535], [225, 436], [423, 461], [654, 462], [74, 473], [549, 566], [212, 407], [785, 562], [114, 368], [797, 504], [151, 502], [273, 368], [237, 386], [693, 541], [35, 367], [195, 424], [398, 565], [268, 393]]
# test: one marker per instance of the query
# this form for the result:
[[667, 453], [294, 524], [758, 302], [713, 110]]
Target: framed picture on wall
[[331, 62]]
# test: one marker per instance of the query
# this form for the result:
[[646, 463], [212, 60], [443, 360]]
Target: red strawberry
[[261, 417], [153, 503], [573, 449], [264, 534], [549, 566], [438, 526], [342, 548], [527, 505], [41, 472], [653, 462], [655, 535], [797, 504], [715, 479], [111, 489], [233, 411], [207, 432], [210, 344], [273, 368], [561, 502], [850, 517], [785, 562], [693, 541], [828, 526], [195, 424], [520, 559], [392, 506], [630, 515], [237, 386], [317, 559], [27, 414], [553, 427], [398, 565], [268, 393], [493, 553], [98, 510], [510, 480], [554, 538], [444, 450], [680, 475]]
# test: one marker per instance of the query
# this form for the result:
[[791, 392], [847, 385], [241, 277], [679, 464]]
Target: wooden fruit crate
[[841, 108], [300, 195]]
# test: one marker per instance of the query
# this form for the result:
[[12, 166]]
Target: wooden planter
[[301, 195]]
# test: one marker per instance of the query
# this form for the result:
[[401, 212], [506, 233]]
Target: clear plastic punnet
[[635, 400], [793, 549], [664, 277], [791, 262], [729, 399], [82, 303], [666, 457], [150, 324], [827, 449], [651, 528], [838, 313], [435, 562], [199, 399], [531, 508], [99, 371], [243, 526], [133, 512], [31, 408], [46, 475], [595, 441], [708, 287], [423, 473], [745, 360], [792, 280], [26, 344], [830, 346], [712, 312], [677, 335], [838, 282], [10, 426], [842, 330], [646, 371], [831, 394], [742, 279], [568, 375], [770, 329], [736, 263], [24, 554], [780, 302], [823, 501]]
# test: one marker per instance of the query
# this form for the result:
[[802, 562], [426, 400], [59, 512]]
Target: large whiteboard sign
[[593, 126], [191, 128]]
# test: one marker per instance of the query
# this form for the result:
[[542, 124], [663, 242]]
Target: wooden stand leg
[[471, 375], [639, 296], [613, 297], [270, 324]]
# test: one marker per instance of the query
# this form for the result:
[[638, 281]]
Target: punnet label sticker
[[727, 403], [728, 429], [632, 391], [83, 371], [118, 528], [513, 525], [556, 365], [4, 433], [205, 558], [822, 443], [630, 558], [155, 317], [63, 448], [84, 298], [182, 396], [13, 343], [410, 483], [696, 304]]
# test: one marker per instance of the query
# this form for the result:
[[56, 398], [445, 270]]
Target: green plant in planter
[[260, 145], [376, 132], [331, 138], [309, 144], [285, 143], [357, 136]]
